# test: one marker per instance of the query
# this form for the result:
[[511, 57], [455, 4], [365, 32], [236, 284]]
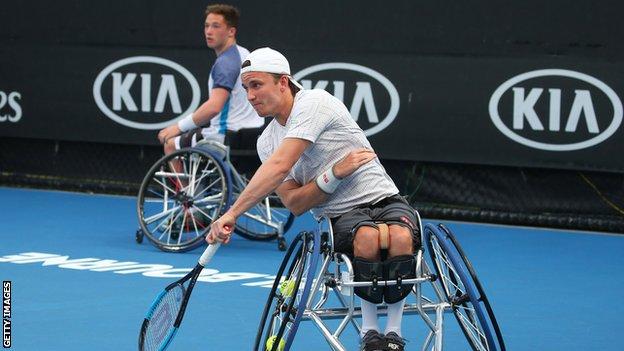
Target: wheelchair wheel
[[463, 290], [253, 223], [180, 196], [288, 297]]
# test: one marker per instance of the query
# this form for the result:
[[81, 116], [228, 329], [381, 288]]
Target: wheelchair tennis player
[[316, 157]]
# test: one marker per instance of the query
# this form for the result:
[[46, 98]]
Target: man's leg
[[367, 254], [187, 139], [365, 245], [400, 245]]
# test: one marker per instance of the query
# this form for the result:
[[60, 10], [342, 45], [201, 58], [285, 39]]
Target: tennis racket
[[165, 315]]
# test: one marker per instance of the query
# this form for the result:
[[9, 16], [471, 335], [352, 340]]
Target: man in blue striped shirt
[[227, 107]]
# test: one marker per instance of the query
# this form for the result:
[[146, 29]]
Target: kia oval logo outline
[[394, 95], [97, 86], [608, 132]]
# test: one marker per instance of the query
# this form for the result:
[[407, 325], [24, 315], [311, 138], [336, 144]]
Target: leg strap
[[369, 271], [399, 268], [384, 236]]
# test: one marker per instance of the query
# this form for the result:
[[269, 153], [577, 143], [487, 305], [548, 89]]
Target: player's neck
[[228, 44], [282, 116]]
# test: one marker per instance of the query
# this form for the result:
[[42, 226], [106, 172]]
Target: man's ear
[[284, 83], [232, 31]]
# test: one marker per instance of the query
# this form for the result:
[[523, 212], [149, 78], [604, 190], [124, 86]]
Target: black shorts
[[190, 138], [391, 210]]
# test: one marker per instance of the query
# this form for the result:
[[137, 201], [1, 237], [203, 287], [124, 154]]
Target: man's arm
[[270, 175], [299, 199], [201, 116], [267, 178], [212, 107]]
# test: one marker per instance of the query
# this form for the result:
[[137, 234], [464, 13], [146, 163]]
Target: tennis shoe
[[394, 342], [372, 341]]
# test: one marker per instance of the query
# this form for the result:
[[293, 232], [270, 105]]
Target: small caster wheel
[[281, 244], [139, 236]]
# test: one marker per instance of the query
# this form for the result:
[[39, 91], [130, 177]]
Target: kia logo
[[556, 110], [367, 93], [146, 92]]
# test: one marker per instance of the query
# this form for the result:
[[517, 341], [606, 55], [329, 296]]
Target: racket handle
[[208, 253]]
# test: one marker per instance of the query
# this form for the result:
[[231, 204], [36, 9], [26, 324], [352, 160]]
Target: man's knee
[[366, 242], [401, 240]]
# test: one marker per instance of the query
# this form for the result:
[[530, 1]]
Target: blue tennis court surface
[[81, 282]]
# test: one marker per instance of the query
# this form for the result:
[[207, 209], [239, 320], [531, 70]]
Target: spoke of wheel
[[204, 213], [194, 221], [160, 224], [192, 167], [175, 172], [169, 227], [158, 216], [212, 199], [165, 186], [207, 188], [446, 268], [182, 226], [475, 333]]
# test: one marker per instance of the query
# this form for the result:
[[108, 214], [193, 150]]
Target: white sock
[[395, 316], [369, 317]]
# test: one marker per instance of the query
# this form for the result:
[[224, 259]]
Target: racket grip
[[208, 253]]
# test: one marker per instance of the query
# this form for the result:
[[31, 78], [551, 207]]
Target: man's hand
[[354, 160], [221, 230], [170, 132]]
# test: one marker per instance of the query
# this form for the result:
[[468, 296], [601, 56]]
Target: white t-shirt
[[237, 113], [322, 119]]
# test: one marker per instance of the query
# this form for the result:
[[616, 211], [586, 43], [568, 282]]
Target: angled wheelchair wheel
[[288, 297], [180, 196], [463, 290]]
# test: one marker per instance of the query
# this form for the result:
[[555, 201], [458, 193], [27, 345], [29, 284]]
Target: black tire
[[463, 290], [287, 299], [175, 209], [252, 229]]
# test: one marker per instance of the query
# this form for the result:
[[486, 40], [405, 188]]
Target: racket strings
[[163, 317]]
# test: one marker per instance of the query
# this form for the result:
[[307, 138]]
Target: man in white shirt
[[315, 157]]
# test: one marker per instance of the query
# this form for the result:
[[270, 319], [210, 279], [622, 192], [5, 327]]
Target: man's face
[[216, 31], [263, 93]]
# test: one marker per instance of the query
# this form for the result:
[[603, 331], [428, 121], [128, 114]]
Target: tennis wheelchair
[[316, 284], [185, 191]]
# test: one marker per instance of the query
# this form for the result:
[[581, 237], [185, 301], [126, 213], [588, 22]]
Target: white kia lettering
[[582, 109], [582, 106], [364, 94], [363, 98], [121, 91], [122, 99]]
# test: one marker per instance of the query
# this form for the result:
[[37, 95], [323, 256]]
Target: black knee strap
[[369, 271], [399, 268]]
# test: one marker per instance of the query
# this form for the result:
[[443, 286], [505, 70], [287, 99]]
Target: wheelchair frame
[[455, 285], [187, 197]]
